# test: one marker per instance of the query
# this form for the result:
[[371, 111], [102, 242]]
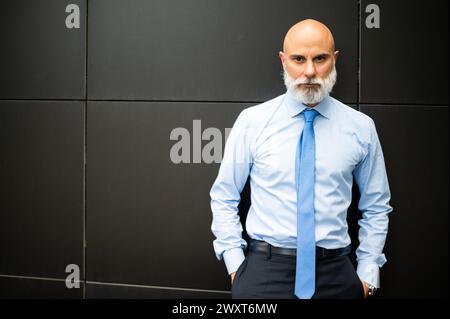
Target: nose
[[310, 70]]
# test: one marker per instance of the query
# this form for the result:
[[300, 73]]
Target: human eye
[[321, 58], [298, 58]]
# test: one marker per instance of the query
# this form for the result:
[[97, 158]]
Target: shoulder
[[355, 122], [352, 117], [351, 114]]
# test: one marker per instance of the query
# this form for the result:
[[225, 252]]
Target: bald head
[[309, 33]]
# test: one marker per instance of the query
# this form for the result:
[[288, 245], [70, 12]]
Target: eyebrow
[[320, 55]]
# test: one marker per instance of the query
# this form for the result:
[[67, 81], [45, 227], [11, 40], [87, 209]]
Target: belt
[[321, 253]]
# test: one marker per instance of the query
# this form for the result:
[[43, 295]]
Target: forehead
[[308, 50], [309, 41]]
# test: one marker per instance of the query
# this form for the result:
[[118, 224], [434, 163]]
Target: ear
[[335, 55], [282, 57]]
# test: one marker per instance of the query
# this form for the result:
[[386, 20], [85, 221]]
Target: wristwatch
[[372, 289]]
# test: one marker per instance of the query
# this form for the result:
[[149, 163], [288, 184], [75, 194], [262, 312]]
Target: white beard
[[310, 95]]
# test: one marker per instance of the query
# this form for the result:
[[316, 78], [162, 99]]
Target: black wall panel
[[34, 288], [111, 291], [41, 187], [149, 219], [406, 60], [415, 146], [39, 57], [206, 50]]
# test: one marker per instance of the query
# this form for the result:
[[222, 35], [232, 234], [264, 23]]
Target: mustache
[[305, 80]]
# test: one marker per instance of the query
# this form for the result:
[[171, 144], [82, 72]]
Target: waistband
[[321, 253]]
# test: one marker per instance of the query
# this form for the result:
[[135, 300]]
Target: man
[[302, 151]]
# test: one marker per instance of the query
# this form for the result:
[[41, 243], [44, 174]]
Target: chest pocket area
[[275, 157], [339, 154]]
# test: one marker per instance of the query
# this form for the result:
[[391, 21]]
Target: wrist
[[372, 289]]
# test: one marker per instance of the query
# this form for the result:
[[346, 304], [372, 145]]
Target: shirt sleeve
[[226, 194], [370, 175]]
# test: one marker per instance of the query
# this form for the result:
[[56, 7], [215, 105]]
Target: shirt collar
[[295, 107]]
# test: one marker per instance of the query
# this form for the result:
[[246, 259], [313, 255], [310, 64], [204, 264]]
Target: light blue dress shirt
[[262, 144]]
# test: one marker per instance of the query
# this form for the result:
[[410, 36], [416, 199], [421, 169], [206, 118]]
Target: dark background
[[86, 115]]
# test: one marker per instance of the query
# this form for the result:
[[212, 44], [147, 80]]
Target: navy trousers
[[272, 276]]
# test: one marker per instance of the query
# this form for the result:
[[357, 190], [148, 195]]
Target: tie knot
[[309, 115]]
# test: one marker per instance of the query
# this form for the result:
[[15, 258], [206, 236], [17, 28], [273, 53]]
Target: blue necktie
[[306, 243]]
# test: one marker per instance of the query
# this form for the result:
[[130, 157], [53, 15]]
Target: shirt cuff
[[369, 272], [233, 259]]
